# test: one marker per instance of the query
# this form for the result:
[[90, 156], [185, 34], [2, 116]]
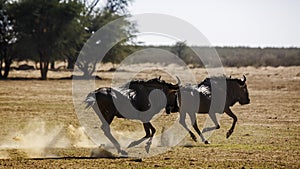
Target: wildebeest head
[[242, 91], [170, 90]]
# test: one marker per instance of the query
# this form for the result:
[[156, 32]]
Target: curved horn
[[159, 77], [178, 81], [244, 78]]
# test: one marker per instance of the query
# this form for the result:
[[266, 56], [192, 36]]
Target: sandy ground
[[40, 129]]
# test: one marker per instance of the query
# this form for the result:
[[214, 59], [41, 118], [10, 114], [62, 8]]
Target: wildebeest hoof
[[194, 138], [206, 142], [148, 145], [228, 134], [218, 127], [123, 153]]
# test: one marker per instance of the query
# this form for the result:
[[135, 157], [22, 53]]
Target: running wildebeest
[[138, 99], [236, 91]]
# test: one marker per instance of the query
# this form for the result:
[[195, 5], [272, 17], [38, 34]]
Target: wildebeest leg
[[147, 130], [153, 130], [194, 122], [106, 118], [149, 142], [150, 130], [213, 117], [137, 142], [233, 116], [107, 133], [182, 122]]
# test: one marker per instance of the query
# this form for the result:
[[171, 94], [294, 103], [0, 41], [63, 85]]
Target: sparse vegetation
[[244, 56], [237, 56], [266, 135]]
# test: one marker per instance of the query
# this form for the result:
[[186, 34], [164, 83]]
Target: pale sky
[[264, 23]]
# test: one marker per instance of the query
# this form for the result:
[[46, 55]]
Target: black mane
[[216, 79]]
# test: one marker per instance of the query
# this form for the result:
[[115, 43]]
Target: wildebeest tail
[[90, 100]]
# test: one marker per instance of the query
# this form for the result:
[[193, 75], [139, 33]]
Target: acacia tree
[[49, 30], [179, 49], [92, 18], [7, 39], [72, 41], [78, 32], [41, 25], [97, 18]]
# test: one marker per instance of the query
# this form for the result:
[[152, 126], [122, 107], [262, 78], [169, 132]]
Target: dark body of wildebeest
[[138, 99], [235, 90]]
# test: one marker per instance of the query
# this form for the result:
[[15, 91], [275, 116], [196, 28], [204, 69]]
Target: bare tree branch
[[91, 6]]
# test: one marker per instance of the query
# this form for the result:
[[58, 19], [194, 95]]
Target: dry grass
[[266, 136]]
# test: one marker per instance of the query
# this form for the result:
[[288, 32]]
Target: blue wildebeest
[[236, 91], [139, 100]]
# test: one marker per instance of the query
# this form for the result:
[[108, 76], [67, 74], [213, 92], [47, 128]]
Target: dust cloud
[[38, 137]]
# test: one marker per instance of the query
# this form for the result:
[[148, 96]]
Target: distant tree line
[[50, 30], [245, 56], [229, 56], [240, 56]]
